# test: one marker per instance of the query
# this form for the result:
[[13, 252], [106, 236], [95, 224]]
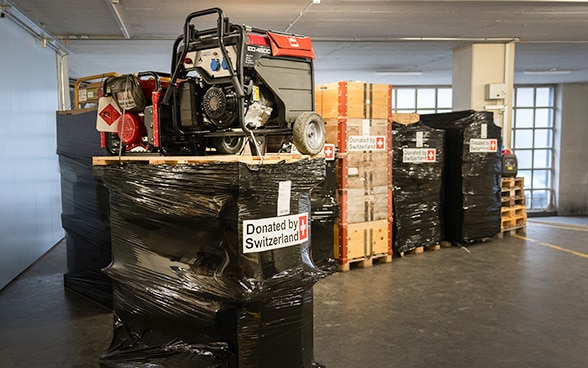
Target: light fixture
[[389, 72], [552, 71]]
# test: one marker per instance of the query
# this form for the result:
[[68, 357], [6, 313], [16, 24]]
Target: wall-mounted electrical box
[[496, 91]]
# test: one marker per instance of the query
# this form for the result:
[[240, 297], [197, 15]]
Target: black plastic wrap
[[471, 195], [180, 273], [325, 210], [84, 206], [417, 186]]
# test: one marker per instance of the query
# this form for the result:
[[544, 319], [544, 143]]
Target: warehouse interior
[[515, 301]]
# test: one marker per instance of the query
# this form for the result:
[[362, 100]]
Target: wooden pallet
[[515, 211], [365, 262], [508, 183], [513, 222], [421, 249], [519, 229], [155, 159], [513, 201]]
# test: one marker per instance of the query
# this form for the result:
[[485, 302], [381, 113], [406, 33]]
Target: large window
[[532, 133], [423, 100], [532, 141]]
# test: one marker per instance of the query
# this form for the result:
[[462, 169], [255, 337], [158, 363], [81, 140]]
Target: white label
[[419, 139], [366, 143], [329, 151], [419, 155], [483, 145], [82, 95], [353, 171], [274, 233], [126, 100], [108, 115], [484, 132], [284, 192], [365, 127]]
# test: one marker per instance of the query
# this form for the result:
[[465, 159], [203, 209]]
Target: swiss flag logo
[[493, 145], [329, 151], [431, 155], [380, 143], [303, 227]]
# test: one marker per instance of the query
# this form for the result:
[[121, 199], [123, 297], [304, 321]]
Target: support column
[[483, 80], [63, 81]]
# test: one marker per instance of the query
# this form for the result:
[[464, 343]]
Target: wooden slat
[[406, 118], [176, 160]]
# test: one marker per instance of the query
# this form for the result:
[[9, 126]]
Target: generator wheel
[[309, 133], [228, 145], [112, 144]]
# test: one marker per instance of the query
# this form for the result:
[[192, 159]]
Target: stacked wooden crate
[[358, 118], [513, 211]]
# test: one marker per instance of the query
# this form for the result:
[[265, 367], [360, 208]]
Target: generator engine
[[220, 105], [131, 131], [228, 85]]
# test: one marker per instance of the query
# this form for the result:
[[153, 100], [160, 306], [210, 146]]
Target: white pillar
[[63, 82], [483, 80]]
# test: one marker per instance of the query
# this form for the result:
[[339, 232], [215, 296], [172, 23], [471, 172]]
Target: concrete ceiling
[[352, 39]]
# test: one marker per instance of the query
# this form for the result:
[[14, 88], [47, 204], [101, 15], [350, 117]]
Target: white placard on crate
[[366, 143], [483, 145], [484, 131], [419, 139], [274, 232], [419, 155], [284, 194], [366, 126]]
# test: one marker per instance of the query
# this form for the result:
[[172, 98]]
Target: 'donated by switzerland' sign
[[274, 232]]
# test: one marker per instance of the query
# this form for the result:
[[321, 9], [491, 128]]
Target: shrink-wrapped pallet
[[212, 261], [471, 201], [418, 159]]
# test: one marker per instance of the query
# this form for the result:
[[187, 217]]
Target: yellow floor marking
[[552, 246], [566, 227]]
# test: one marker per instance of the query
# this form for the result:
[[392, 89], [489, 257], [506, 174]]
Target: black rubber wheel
[[113, 144], [309, 133], [228, 145]]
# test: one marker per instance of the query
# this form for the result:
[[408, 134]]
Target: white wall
[[571, 155], [30, 202]]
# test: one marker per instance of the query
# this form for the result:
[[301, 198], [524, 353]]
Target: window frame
[[535, 202]]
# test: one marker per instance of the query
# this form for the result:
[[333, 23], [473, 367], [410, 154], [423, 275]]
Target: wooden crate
[[361, 205], [354, 100], [358, 118]]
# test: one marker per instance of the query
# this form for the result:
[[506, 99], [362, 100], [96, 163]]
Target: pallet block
[[363, 243]]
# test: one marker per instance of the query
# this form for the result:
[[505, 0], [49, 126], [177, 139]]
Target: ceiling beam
[[116, 14]]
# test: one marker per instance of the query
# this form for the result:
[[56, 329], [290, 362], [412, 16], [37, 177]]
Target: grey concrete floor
[[519, 301]]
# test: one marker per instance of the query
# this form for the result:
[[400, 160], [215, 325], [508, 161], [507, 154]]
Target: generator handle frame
[[223, 28], [155, 75]]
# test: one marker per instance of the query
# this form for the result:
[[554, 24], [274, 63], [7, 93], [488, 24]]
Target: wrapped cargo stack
[[418, 159], [472, 189], [84, 206], [358, 117], [211, 261]]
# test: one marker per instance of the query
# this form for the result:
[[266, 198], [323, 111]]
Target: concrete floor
[[514, 302]]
